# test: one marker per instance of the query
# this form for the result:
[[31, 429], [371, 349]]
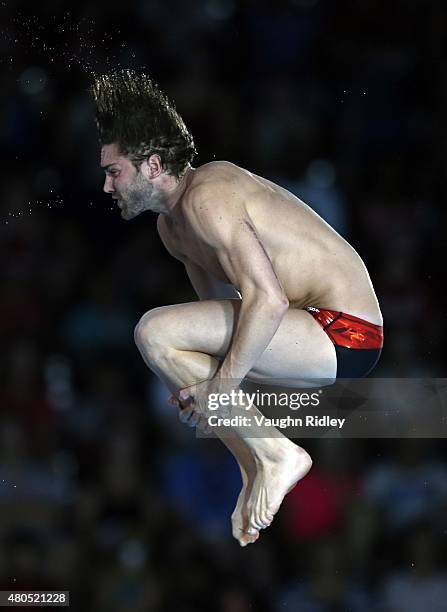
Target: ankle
[[273, 451]]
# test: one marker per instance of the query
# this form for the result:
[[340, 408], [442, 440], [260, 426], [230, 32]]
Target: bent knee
[[151, 329]]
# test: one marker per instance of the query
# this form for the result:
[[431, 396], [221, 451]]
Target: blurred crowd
[[102, 491]]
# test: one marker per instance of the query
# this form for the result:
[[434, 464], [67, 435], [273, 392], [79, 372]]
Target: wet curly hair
[[132, 112]]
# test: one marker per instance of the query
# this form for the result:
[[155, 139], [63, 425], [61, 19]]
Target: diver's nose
[[108, 185]]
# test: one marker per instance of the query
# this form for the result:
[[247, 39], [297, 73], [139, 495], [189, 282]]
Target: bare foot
[[275, 477], [239, 518]]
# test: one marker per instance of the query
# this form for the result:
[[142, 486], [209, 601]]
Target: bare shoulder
[[217, 169], [216, 186], [214, 204]]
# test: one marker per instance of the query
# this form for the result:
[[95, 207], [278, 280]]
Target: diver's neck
[[174, 192]]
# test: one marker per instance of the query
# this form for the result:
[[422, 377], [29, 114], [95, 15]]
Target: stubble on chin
[[137, 202], [127, 215], [130, 212]]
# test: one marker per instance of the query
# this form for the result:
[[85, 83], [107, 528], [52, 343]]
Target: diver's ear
[[152, 167]]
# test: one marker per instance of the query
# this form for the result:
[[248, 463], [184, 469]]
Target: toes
[[260, 515], [248, 538], [255, 512], [266, 523], [266, 518], [236, 527], [254, 524], [237, 531]]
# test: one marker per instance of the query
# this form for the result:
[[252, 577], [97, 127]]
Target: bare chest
[[190, 248]]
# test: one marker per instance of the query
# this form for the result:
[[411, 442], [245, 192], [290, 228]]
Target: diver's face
[[127, 185]]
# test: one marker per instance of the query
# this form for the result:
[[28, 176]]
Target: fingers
[[193, 418], [185, 396], [185, 414], [188, 414], [180, 401]]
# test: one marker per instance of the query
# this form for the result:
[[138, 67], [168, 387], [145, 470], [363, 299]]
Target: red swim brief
[[358, 343]]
